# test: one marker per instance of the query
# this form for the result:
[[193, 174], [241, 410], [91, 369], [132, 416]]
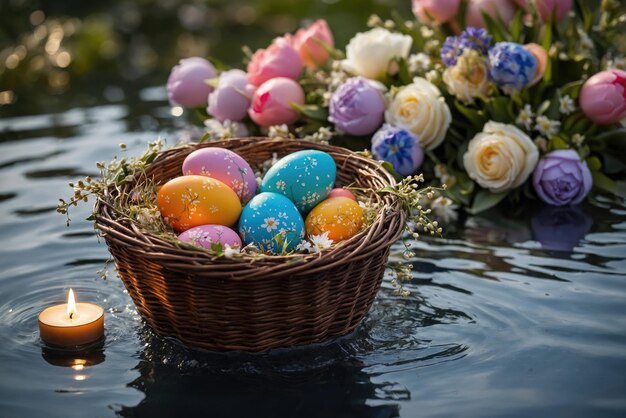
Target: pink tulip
[[546, 8], [271, 102], [603, 97], [186, 85], [313, 44], [541, 56], [498, 9], [280, 59], [439, 11], [231, 99]]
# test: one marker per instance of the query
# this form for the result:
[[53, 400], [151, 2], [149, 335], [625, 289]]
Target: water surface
[[507, 317]]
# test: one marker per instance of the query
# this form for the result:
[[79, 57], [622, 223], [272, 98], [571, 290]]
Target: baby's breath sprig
[[114, 174]]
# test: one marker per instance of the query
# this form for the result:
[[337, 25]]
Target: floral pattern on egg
[[271, 222], [188, 201], [224, 165], [206, 235], [305, 177], [341, 217]]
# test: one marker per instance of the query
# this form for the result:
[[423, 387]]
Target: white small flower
[[320, 242], [419, 63], [566, 105], [426, 31], [578, 140], [270, 224], [547, 127], [278, 131], [229, 251], [223, 130], [304, 247], [432, 76], [525, 117]]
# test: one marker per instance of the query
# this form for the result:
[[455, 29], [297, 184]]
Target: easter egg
[[339, 192], [305, 177], [223, 165], [189, 201], [206, 235], [271, 222], [341, 217]]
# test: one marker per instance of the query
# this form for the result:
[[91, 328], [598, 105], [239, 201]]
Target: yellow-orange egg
[[189, 201], [341, 217]]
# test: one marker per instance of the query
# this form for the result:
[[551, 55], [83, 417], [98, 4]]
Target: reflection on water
[[507, 316]]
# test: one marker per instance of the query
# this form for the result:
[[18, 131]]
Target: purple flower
[[186, 85], [512, 66], [399, 147], [560, 228], [561, 178], [471, 38], [357, 107], [475, 38], [231, 99]]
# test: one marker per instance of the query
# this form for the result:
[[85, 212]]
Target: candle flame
[[71, 305]]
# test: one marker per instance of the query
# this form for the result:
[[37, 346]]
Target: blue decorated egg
[[305, 177], [271, 222]]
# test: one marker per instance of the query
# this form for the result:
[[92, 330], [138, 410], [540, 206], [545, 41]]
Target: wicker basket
[[223, 304]]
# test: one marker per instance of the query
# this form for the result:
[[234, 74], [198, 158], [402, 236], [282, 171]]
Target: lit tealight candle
[[71, 323]]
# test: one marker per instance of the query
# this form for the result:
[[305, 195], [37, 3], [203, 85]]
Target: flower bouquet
[[502, 101]]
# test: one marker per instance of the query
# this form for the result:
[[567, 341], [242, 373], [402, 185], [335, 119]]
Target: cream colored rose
[[468, 78], [369, 53], [420, 108], [501, 157]]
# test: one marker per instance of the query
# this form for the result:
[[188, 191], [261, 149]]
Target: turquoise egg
[[271, 222], [305, 177]]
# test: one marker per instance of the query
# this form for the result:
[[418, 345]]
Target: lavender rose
[[561, 178], [357, 107], [399, 147]]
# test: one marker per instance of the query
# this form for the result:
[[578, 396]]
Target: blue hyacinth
[[399, 147], [472, 38], [511, 66]]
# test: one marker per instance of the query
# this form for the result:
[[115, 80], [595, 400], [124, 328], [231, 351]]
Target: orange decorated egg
[[341, 217], [189, 201]]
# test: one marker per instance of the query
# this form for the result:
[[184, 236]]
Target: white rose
[[468, 78], [501, 157], [420, 108], [368, 54]]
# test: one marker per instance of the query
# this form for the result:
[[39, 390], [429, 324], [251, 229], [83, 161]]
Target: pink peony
[[313, 44], [603, 97], [186, 85], [546, 8], [271, 102], [280, 59], [439, 11]]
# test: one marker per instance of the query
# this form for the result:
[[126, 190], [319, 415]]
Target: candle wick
[[71, 315]]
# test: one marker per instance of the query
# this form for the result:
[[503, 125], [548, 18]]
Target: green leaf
[[312, 111], [495, 28], [485, 199], [499, 109], [216, 248], [572, 89], [462, 14], [594, 163], [585, 12], [516, 26], [605, 184], [213, 82], [556, 142], [475, 117], [403, 72], [546, 42]]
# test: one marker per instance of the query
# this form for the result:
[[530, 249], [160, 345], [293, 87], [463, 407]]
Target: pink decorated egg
[[223, 165], [206, 235], [339, 192]]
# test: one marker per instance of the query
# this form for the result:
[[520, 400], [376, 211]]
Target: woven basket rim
[[385, 229]]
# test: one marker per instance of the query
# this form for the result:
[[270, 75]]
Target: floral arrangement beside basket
[[501, 100]]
